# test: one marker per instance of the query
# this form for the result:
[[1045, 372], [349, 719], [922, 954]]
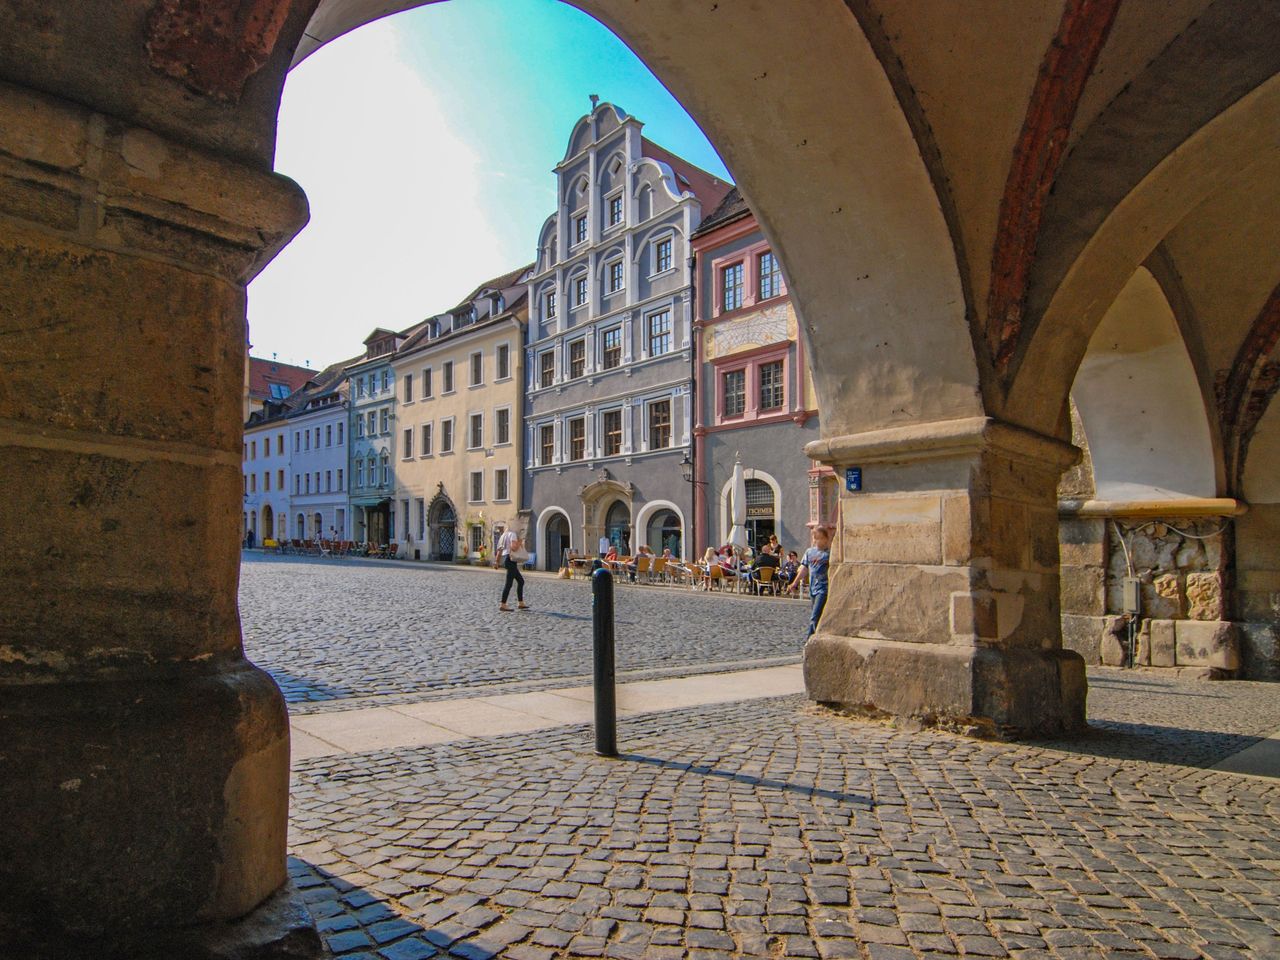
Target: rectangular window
[[339, 479], [503, 428], [328, 434], [477, 369], [317, 438], [339, 433], [662, 256], [359, 473], [659, 333], [578, 438], [580, 228], [446, 435], [297, 441], [615, 276], [735, 392], [408, 443], [475, 433], [577, 359], [386, 472], [477, 486], [384, 421], [371, 427], [279, 479], [546, 443], [504, 361], [426, 440], [306, 441], [612, 433], [297, 483], [550, 309], [615, 211], [266, 482], [307, 484], [770, 276], [426, 383], [408, 388], [279, 444], [253, 450], [546, 368], [359, 426], [771, 386], [386, 380], [731, 287], [579, 291], [359, 387], [611, 352], [659, 424], [501, 486], [328, 481], [446, 374]]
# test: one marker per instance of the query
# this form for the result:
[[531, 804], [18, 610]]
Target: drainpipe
[[696, 372]]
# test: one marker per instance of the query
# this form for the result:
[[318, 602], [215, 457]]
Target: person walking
[[511, 551], [814, 566]]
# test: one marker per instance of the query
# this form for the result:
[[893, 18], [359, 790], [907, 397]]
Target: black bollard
[[602, 641]]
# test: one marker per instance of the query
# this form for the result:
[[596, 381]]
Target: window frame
[[656, 269], [427, 449], [569, 424], [649, 407], [618, 267], [546, 431], [472, 476], [448, 380], [604, 348], [605, 432], [505, 473], [578, 344], [497, 426], [448, 428], [472, 419], [502, 358], [475, 369], [407, 453], [648, 333], [750, 364]]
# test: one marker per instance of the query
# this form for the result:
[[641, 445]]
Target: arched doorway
[[300, 525], [268, 521], [443, 529], [664, 532], [617, 526], [317, 526], [557, 541]]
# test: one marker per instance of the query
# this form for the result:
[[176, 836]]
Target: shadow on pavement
[[1152, 743], [749, 779]]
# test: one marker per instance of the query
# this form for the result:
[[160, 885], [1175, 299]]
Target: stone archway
[[894, 182], [597, 498]]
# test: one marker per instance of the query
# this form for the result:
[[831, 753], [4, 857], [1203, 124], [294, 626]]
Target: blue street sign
[[853, 479]]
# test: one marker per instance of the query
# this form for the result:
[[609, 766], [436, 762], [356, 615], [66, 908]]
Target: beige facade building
[[458, 425]]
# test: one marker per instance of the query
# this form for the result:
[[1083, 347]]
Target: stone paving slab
[[382, 728], [1260, 760], [770, 828]]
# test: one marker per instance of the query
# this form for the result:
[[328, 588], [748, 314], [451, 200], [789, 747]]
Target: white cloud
[[397, 227]]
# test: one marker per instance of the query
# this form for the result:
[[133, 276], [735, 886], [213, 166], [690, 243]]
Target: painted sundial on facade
[[759, 329]]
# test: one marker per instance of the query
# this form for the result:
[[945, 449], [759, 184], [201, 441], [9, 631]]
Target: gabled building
[[458, 465], [756, 401], [371, 395], [609, 414]]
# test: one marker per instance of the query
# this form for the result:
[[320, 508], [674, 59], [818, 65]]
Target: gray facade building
[[608, 411]]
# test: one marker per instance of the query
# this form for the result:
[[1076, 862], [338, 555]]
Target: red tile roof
[[263, 373], [708, 188]]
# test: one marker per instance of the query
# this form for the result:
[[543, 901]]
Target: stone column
[[143, 761], [943, 602]]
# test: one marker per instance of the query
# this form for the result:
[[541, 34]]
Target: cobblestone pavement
[[355, 634], [345, 634], [773, 829]]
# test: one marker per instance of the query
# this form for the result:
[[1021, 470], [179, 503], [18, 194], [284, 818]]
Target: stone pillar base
[[993, 692], [279, 929]]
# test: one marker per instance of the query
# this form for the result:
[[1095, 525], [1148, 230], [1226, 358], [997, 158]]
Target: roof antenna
[[595, 101]]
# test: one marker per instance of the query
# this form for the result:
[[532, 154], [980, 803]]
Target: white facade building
[[319, 505], [265, 469]]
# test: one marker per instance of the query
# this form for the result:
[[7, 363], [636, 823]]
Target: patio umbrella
[[738, 507]]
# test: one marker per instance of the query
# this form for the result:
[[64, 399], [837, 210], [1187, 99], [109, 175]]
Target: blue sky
[[425, 143]]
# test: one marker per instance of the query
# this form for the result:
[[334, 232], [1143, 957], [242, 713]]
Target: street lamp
[[686, 471]]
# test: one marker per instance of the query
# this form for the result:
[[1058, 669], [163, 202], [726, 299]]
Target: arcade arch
[[140, 150]]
